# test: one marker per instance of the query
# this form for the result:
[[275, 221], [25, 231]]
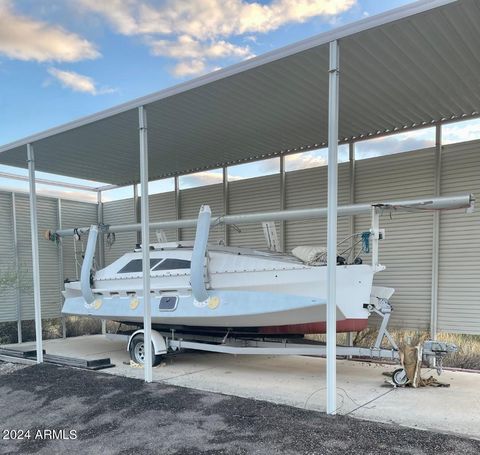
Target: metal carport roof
[[416, 65]]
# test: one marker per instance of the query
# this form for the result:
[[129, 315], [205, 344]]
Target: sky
[[63, 59]]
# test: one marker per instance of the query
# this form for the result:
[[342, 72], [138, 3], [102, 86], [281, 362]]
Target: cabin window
[[135, 266], [172, 264]]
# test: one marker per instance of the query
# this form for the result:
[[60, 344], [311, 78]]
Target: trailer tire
[[137, 351], [399, 377]]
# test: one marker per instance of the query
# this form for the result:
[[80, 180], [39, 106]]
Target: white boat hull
[[243, 292]]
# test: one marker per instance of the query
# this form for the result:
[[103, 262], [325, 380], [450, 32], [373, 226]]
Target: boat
[[198, 287]]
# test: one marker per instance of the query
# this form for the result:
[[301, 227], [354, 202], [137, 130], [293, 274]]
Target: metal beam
[[283, 204], [147, 317], [352, 187], [177, 206], [226, 203], [26, 178], [35, 255], [101, 238], [17, 269], [101, 246], [464, 201], [61, 266], [436, 235], [351, 219], [332, 227], [136, 211]]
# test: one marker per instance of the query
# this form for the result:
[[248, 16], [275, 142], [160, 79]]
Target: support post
[[101, 236], [61, 266], [226, 208], [333, 99], [352, 186], [436, 235], [283, 204], [147, 317], [17, 269], [177, 206], [136, 211], [101, 245], [35, 255]]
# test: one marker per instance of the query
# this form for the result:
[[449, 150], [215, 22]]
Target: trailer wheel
[[137, 351], [399, 377]]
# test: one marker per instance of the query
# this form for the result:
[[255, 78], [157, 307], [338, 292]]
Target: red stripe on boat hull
[[345, 325]]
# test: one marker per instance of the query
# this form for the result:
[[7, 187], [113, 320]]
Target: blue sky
[[62, 59]]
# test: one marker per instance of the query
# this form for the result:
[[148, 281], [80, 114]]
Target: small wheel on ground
[[137, 351], [399, 377]]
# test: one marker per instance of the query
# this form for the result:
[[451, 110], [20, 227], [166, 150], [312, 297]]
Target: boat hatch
[[168, 303]]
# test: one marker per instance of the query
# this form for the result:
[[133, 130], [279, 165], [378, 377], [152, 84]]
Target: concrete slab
[[300, 382]]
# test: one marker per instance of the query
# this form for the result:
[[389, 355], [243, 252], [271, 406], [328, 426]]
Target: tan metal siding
[[50, 275], [459, 253], [75, 214], [248, 196], [192, 199], [308, 188], [162, 208], [407, 250], [119, 212], [8, 296]]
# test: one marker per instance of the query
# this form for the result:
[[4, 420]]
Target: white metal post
[[35, 256], [17, 269], [332, 227], [147, 316], [436, 235], [61, 266], [177, 206], [375, 234], [226, 195], [101, 245], [283, 204]]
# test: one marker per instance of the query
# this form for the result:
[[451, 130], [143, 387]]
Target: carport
[[412, 67]]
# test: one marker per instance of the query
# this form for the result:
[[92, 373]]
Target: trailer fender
[[159, 345]]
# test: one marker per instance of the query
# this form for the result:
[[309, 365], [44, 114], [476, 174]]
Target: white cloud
[[464, 131], [204, 19], [187, 47], [190, 68], [24, 38], [78, 82], [194, 55], [305, 160], [203, 25]]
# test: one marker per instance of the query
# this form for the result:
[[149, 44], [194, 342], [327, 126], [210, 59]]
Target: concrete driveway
[[112, 414], [300, 382]]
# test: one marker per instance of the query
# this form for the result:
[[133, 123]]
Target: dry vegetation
[[468, 355]]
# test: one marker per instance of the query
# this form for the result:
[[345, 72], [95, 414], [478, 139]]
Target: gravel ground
[[8, 367], [118, 415]]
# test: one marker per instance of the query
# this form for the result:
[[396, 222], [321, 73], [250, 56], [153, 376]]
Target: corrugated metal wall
[[162, 208], [308, 188], [252, 195], [459, 266], [190, 201], [8, 295], [75, 214], [407, 250], [119, 212], [51, 275]]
